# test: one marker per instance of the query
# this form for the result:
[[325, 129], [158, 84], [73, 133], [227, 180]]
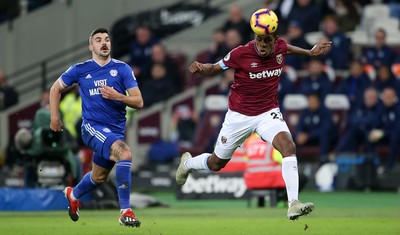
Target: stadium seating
[[180, 60], [195, 79], [295, 103], [215, 107], [372, 12], [339, 105]]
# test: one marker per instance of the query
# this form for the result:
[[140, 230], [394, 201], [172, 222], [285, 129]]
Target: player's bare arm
[[55, 95], [205, 69], [134, 100], [318, 49]]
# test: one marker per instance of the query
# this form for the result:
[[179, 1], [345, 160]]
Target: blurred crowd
[[369, 80]]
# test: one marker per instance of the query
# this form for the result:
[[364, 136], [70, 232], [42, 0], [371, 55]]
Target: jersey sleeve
[[129, 78], [231, 59], [70, 76]]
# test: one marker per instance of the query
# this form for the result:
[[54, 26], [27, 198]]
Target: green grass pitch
[[335, 213]]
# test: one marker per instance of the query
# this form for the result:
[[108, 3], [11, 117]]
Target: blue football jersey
[[89, 75]]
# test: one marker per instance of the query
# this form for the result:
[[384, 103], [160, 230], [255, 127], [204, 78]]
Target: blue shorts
[[100, 138]]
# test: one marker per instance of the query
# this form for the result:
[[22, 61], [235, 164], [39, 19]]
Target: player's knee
[[126, 155], [99, 179], [120, 151]]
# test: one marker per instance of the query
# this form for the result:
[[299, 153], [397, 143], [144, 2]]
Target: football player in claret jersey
[[106, 86], [253, 107]]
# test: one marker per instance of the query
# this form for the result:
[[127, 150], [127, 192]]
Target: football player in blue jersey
[[106, 86]]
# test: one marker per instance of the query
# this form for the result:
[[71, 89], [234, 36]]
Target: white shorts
[[237, 127]]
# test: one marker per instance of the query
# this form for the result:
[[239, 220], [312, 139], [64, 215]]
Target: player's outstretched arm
[[319, 49], [55, 95], [205, 69]]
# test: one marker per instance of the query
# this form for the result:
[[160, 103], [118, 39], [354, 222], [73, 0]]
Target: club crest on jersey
[[223, 139], [279, 58], [113, 72], [254, 65]]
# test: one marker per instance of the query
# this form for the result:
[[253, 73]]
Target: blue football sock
[[85, 185], [123, 178]]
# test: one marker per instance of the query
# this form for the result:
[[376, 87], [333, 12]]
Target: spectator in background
[[295, 37], [338, 57], [227, 80], [283, 10], [238, 22], [71, 111], [15, 152], [359, 125], [347, 12], [355, 84], [45, 144], [160, 55], [8, 95], [160, 86], [394, 7], [396, 67], [348, 15], [141, 48], [315, 127], [286, 86], [184, 122], [270, 4], [45, 99], [317, 82], [362, 3], [386, 127], [307, 13], [385, 79], [232, 39], [379, 54], [217, 48]]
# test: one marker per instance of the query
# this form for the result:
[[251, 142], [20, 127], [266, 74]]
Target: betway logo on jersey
[[266, 73]]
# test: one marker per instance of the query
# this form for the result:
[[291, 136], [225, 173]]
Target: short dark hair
[[98, 30]]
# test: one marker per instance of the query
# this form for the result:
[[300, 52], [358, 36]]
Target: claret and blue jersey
[[89, 75]]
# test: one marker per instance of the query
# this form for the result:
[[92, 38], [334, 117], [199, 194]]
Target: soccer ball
[[264, 21]]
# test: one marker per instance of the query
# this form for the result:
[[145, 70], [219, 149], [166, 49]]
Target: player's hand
[[56, 125], [196, 67], [320, 48], [109, 93]]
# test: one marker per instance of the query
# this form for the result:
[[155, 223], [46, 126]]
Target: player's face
[[265, 44], [101, 45]]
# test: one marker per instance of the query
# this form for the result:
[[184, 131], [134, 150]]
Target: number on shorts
[[277, 115]]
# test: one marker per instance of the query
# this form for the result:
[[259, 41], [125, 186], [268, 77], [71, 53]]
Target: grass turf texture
[[336, 213]]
